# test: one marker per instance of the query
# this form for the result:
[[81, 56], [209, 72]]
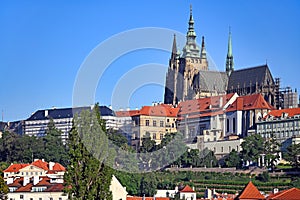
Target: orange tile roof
[[58, 167], [187, 188], [290, 111], [147, 198], [15, 167], [290, 194], [203, 107], [163, 110], [41, 164], [26, 188], [250, 192], [249, 102], [127, 113]]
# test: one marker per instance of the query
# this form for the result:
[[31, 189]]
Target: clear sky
[[44, 43]]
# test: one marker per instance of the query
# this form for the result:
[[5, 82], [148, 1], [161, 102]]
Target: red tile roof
[[41, 164], [290, 194], [290, 111], [187, 188], [210, 106], [250, 192], [58, 167], [26, 188], [249, 102], [163, 110], [147, 198], [15, 167], [128, 113]]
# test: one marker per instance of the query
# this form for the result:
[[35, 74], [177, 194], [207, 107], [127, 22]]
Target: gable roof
[[203, 107], [163, 110], [249, 102], [249, 76], [40, 164], [290, 111], [187, 188], [250, 192], [210, 81], [127, 113], [15, 167], [290, 194]]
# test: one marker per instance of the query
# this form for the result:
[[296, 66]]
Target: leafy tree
[[271, 150], [54, 149], [264, 177], [88, 176], [3, 188], [148, 185], [208, 158], [292, 155], [252, 147], [233, 159], [148, 144]]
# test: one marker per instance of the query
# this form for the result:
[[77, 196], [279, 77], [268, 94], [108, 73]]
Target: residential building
[[244, 113], [184, 192], [118, 191], [191, 76], [284, 125], [187, 193], [156, 120], [125, 123], [37, 123], [146, 198], [289, 194], [204, 117]]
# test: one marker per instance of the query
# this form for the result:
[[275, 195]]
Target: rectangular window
[[161, 123], [154, 136], [21, 196], [147, 122], [168, 120], [154, 122], [161, 136], [222, 149], [233, 125], [227, 125]]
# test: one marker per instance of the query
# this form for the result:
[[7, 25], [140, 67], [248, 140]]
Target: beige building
[[156, 120], [118, 191]]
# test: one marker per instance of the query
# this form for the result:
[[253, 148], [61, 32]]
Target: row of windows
[[147, 123], [22, 197]]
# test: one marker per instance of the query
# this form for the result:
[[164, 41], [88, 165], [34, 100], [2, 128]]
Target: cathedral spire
[[191, 48], [174, 48], [203, 50], [229, 58]]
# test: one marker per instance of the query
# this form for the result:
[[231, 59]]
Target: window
[[40, 199], [161, 123], [154, 122], [168, 120], [59, 198], [31, 198], [173, 125], [161, 136], [222, 149], [21, 196], [50, 198], [229, 148], [154, 136], [147, 122], [233, 125], [227, 125]]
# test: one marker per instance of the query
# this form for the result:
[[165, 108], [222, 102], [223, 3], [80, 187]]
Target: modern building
[[244, 113], [284, 125], [37, 123], [156, 120], [125, 123], [190, 76]]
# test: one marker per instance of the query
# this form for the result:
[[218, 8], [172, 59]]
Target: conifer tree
[[88, 176]]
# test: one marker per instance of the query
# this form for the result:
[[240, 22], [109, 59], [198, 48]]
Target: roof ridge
[[247, 68]]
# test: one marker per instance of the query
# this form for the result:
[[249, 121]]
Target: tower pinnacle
[[174, 48], [229, 58]]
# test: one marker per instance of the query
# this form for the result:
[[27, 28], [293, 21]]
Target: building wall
[[118, 191], [224, 147], [233, 123], [188, 195], [37, 196]]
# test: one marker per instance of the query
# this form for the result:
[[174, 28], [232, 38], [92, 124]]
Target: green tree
[[252, 147], [148, 144], [271, 150], [3, 188], [87, 176], [233, 159], [54, 149], [292, 155], [148, 185]]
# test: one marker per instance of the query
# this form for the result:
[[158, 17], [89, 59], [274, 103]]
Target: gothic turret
[[229, 58]]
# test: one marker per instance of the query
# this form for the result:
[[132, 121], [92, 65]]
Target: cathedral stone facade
[[189, 77]]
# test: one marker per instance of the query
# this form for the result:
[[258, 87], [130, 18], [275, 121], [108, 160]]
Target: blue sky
[[44, 43]]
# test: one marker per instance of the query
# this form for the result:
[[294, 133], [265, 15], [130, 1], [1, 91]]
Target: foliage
[[88, 176], [252, 147], [271, 150], [233, 159], [3, 188], [264, 177], [292, 155], [148, 185]]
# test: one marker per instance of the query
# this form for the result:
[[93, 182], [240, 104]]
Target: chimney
[[46, 113], [36, 180], [9, 180], [221, 101], [51, 165], [26, 180], [275, 190]]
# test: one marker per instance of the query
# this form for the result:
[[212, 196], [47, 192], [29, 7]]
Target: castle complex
[[189, 76]]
